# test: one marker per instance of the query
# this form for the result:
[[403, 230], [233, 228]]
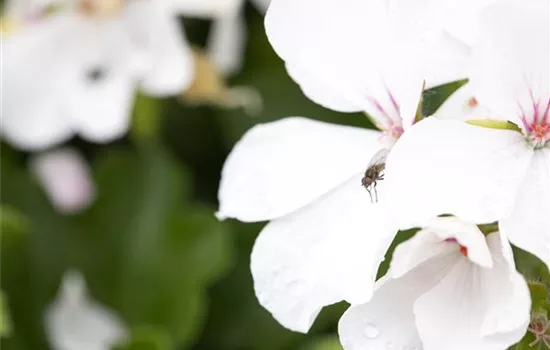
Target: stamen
[[472, 102], [462, 249]]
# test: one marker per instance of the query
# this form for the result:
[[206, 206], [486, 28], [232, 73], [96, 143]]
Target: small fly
[[374, 172]]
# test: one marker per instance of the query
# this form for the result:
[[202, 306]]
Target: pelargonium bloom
[[326, 237], [449, 287], [73, 66], [491, 170]]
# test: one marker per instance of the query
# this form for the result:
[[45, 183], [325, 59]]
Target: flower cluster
[[74, 66], [482, 158]]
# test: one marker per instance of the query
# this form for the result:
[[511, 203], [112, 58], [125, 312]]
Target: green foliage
[[6, 327], [143, 249]]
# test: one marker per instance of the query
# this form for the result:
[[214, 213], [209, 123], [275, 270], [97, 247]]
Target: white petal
[[431, 242], [204, 8], [101, 106], [387, 321], [461, 18], [324, 253], [279, 167], [449, 167], [475, 308], [446, 61], [358, 57], [66, 178], [168, 60], [73, 321], [226, 42], [528, 226], [463, 105], [36, 76], [511, 55]]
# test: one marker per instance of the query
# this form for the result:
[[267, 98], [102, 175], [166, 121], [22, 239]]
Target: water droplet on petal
[[389, 345], [370, 331]]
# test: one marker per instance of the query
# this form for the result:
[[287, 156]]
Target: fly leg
[[375, 192], [370, 194]]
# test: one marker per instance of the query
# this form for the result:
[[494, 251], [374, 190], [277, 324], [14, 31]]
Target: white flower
[[486, 174], [326, 238], [365, 55], [226, 41], [65, 176], [74, 69], [448, 287], [73, 321]]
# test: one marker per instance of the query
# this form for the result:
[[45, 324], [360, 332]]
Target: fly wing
[[379, 157]]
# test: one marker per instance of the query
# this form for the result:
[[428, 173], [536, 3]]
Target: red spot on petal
[[464, 251]]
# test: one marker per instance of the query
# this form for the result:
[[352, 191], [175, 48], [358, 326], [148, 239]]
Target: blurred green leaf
[[6, 327], [327, 342], [147, 338], [146, 118]]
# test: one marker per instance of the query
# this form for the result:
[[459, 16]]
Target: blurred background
[[149, 247]]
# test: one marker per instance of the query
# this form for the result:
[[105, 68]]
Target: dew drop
[[370, 331], [389, 345]]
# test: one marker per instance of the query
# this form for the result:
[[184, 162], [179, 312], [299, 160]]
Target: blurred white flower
[[65, 176], [487, 174], [227, 39], [448, 287], [325, 238], [73, 66], [75, 322], [366, 55]]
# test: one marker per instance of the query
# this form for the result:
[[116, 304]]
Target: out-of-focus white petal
[[279, 167], [103, 94], [449, 167], [168, 64], [511, 55], [203, 8], [36, 77], [226, 42], [440, 237], [474, 307], [463, 105], [528, 226], [66, 179], [324, 253], [73, 321]]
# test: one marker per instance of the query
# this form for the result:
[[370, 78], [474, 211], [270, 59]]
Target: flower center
[[462, 249], [536, 124], [539, 134]]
